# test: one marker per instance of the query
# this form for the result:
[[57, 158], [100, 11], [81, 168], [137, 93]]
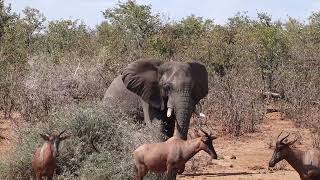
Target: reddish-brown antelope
[[44, 160], [306, 163], [171, 155]]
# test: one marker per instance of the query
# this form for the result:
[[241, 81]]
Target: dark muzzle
[[272, 163], [214, 155]]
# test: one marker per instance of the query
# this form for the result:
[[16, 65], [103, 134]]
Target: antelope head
[[281, 150], [54, 140], [207, 145]]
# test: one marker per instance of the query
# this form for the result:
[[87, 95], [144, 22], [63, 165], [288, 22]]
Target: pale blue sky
[[89, 11]]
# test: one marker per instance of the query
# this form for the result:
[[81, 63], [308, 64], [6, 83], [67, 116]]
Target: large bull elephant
[[167, 91]]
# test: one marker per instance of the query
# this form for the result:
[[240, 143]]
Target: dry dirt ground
[[6, 132], [252, 153]]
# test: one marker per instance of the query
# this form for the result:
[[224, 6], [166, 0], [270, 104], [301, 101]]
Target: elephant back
[[120, 98]]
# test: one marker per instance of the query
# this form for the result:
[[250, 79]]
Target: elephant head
[[172, 86]]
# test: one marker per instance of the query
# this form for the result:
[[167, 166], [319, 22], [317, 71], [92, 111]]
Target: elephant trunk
[[184, 106]]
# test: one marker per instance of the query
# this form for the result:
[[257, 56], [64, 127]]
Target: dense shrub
[[101, 144], [48, 84], [16, 164], [234, 103]]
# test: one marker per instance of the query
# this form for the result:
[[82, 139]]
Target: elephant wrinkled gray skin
[[167, 91]]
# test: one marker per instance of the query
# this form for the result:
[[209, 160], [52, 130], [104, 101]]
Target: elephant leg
[[167, 124], [154, 120], [146, 112], [168, 127]]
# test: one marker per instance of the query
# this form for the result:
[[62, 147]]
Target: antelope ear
[[142, 78], [45, 137], [64, 137], [199, 75]]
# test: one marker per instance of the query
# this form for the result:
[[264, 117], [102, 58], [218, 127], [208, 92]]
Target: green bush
[[96, 127], [47, 84], [100, 147]]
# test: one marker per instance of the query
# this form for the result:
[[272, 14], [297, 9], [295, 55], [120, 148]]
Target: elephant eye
[[167, 88]]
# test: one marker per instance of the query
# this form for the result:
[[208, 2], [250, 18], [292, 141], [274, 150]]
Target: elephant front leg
[[146, 113], [168, 127], [157, 120]]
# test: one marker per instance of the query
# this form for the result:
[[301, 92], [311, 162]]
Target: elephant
[[167, 92]]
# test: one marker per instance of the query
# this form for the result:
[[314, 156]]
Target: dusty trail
[[252, 155], [7, 132]]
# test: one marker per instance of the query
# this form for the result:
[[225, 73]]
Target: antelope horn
[[284, 138], [292, 142], [279, 134], [61, 133], [204, 132]]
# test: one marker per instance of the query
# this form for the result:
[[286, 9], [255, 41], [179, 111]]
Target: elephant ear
[[200, 77], [141, 77]]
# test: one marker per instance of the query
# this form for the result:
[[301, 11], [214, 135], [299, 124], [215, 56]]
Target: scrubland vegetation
[[55, 73]]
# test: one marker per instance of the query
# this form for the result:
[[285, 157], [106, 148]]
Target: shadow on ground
[[218, 174]]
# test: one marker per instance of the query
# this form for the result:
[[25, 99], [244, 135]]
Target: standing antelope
[[306, 163], [44, 160], [170, 156]]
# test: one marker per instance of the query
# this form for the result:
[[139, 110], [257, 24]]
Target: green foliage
[[130, 25], [5, 17], [192, 27], [15, 47], [73, 79], [96, 127], [163, 44], [68, 36], [273, 48]]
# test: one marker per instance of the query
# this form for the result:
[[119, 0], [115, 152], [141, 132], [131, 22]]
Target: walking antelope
[[170, 156]]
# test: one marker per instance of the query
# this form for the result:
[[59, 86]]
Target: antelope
[[170, 156], [306, 163], [44, 160]]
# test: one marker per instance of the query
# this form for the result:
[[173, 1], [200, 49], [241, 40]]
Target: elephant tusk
[[202, 115], [169, 112]]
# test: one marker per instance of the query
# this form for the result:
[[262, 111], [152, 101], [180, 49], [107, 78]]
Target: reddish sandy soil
[[7, 127], [252, 154]]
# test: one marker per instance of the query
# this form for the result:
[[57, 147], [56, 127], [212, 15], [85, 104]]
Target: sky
[[90, 11]]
